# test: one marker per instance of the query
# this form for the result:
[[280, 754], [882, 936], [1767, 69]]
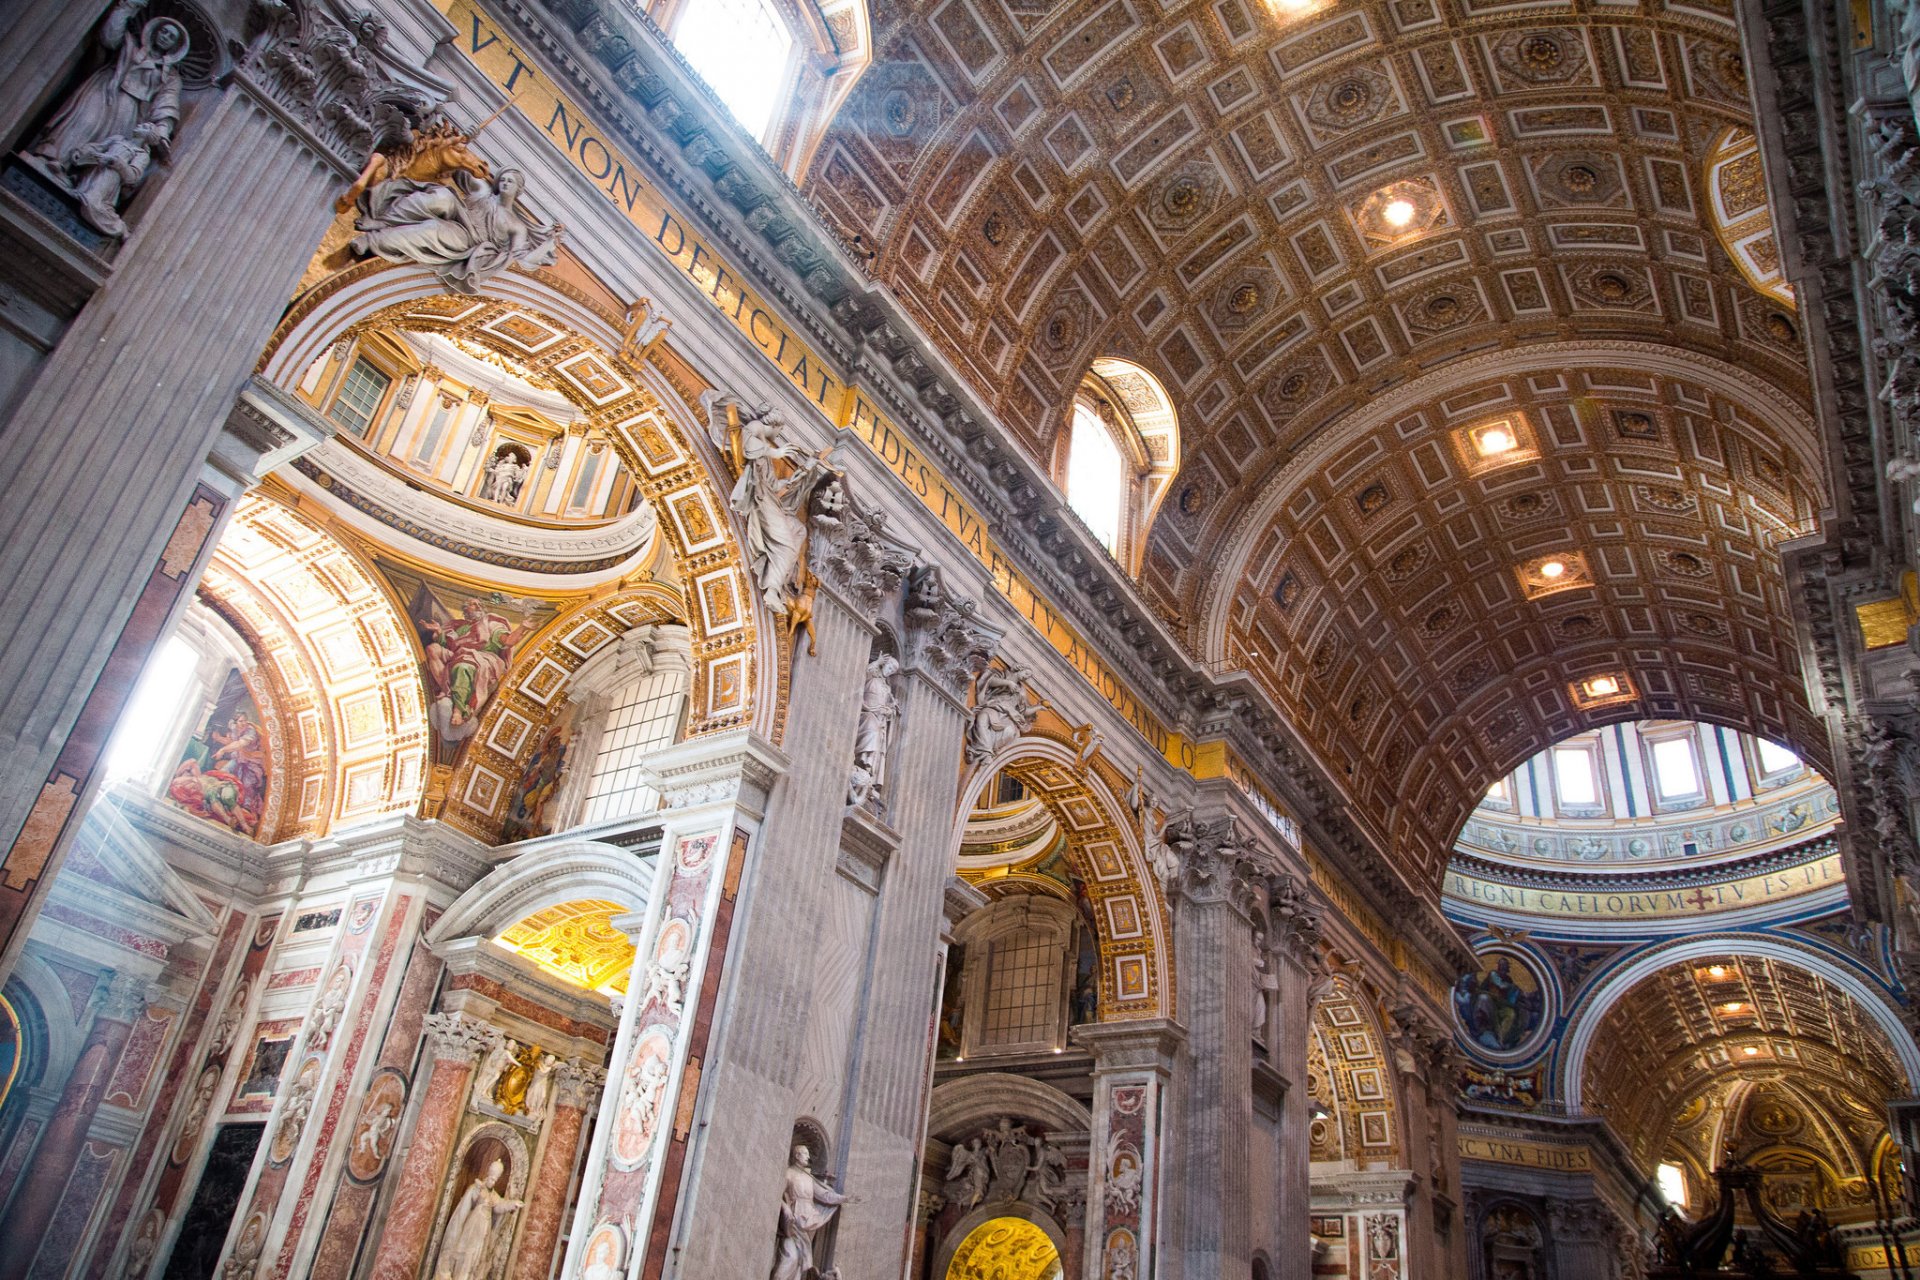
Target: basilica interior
[[959, 639]]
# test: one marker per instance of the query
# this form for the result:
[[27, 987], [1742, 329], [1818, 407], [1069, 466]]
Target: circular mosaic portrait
[[1502, 1006]]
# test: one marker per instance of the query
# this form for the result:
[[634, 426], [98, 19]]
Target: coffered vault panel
[[1390, 595], [1727, 1017]]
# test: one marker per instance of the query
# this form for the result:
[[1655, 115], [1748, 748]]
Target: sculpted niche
[[104, 137]]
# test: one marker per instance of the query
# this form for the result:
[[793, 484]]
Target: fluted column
[[41, 41], [1215, 895], [1294, 965], [1132, 1066], [59, 1149], [576, 1088], [454, 1043], [106, 448], [889, 1091]]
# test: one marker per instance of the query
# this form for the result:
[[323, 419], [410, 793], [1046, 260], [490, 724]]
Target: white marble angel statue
[[1000, 711], [806, 1206], [467, 1248], [777, 477], [466, 233]]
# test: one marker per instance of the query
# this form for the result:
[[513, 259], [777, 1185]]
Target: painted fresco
[[222, 774], [1501, 1005], [468, 640], [538, 784]]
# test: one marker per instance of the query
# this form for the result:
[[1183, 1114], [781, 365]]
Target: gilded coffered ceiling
[[1347, 239], [1695, 1030]]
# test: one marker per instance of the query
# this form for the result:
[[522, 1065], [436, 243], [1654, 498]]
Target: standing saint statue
[[879, 710], [807, 1206], [99, 143], [466, 1249]]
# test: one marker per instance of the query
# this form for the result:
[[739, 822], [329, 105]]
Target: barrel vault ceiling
[[1203, 189]]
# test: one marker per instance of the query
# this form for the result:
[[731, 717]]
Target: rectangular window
[[1023, 992], [1775, 758], [1096, 478], [589, 472], [1676, 773], [1573, 777], [1498, 792], [360, 394], [644, 718], [1673, 1184]]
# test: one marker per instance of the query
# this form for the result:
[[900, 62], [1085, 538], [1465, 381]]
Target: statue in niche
[[506, 474], [463, 227], [101, 141], [466, 1251], [806, 1207], [1000, 711], [879, 711], [776, 477]]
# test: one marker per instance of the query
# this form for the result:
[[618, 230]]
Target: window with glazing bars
[[644, 718], [360, 394]]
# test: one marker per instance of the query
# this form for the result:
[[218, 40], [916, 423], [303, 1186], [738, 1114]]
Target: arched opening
[[1006, 1249], [1117, 456]]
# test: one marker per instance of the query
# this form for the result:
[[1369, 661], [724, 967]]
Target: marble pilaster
[[119, 1007], [454, 1043], [124, 411], [1133, 1064], [577, 1087], [1293, 969]]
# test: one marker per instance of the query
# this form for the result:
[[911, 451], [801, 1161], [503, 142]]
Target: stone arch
[[542, 878], [1360, 1075], [1585, 1018], [346, 707], [1130, 915], [533, 694], [960, 1106], [549, 327]]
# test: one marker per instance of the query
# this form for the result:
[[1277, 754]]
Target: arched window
[[630, 701], [1118, 455], [780, 67], [1097, 481], [1017, 976]]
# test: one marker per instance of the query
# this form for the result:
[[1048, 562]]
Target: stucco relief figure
[[540, 1089], [806, 1206], [776, 477], [465, 229], [327, 1010], [879, 711], [102, 139], [495, 1065], [967, 1175], [466, 1250], [1000, 712]]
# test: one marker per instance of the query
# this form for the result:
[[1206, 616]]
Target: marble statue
[[499, 1058], [540, 1089], [466, 1249], [879, 711], [1000, 712], [806, 1206], [967, 1174], [505, 475], [776, 477], [466, 230], [100, 142]]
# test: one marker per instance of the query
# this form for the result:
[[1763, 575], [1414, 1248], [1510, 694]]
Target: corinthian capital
[[577, 1083], [333, 71], [1215, 861], [945, 640], [1293, 926], [455, 1037], [852, 554]]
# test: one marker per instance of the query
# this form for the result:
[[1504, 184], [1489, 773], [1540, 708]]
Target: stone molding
[[124, 999], [738, 766], [1150, 1044]]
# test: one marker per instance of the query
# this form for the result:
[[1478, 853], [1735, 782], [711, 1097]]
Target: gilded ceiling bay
[[1578, 247]]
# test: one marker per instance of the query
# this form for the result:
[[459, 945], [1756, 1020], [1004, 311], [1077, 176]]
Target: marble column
[[53, 1160], [1294, 965], [123, 412], [1420, 1050], [455, 1043], [577, 1088], [1215, 896], [1132, 1065]]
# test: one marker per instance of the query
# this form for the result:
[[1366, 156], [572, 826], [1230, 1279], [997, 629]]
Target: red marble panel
[[130, 1079]]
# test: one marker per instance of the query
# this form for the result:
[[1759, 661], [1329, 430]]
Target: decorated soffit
[[576, 943], [1715, 1019], [1816, 1142]]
